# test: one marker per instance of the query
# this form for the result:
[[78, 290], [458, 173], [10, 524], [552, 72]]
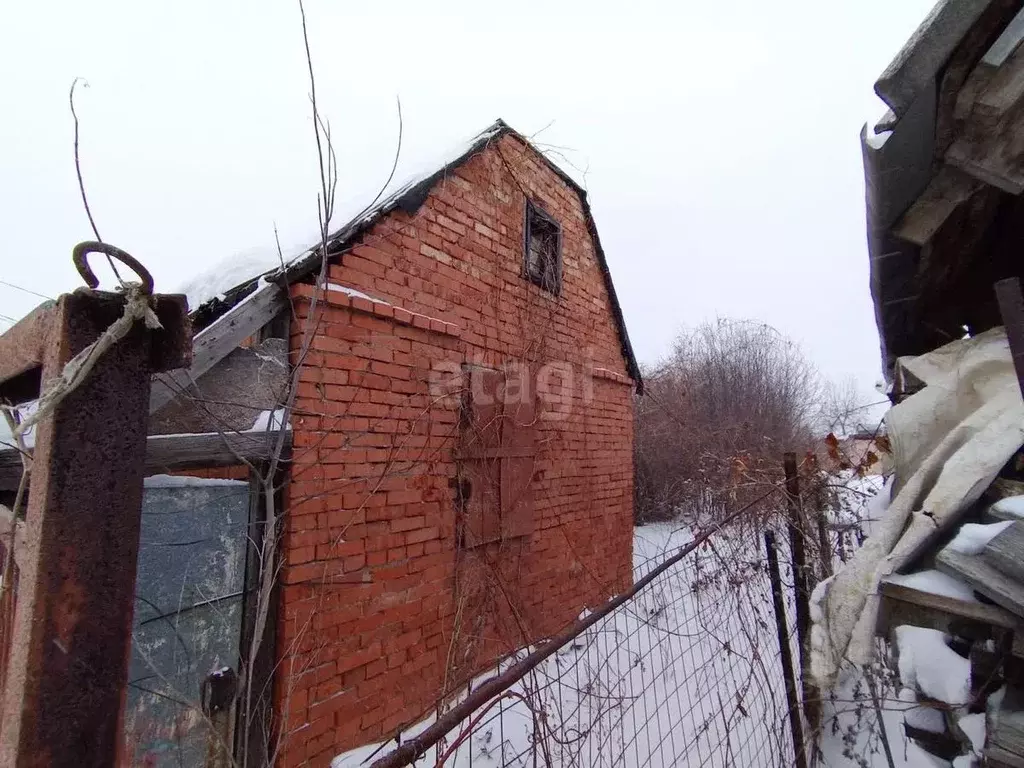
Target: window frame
[[530, 211]]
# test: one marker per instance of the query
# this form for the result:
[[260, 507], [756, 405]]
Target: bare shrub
[[717, 416]]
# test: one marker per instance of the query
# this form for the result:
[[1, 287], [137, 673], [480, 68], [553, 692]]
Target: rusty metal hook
[[82, 250]]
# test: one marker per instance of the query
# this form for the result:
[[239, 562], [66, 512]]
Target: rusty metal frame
[[63, 697]]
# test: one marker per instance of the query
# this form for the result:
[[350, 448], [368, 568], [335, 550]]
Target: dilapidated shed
[[940, 577], [944, 170]]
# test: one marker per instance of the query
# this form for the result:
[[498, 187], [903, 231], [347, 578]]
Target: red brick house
[[460, 481]]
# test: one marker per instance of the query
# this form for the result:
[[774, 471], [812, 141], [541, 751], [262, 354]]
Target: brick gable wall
[[381, 611]]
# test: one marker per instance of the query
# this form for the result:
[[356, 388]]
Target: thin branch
[[81, 182]]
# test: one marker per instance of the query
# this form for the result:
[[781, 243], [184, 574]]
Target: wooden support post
[[1011, 308], [67, 672], [792, 700], [796, 525]]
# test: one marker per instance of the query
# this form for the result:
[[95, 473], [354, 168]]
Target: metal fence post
[[801, 578], [67, 672], [792, 699]]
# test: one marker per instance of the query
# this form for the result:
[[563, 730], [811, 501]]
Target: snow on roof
[[407, 194], [227, 273], [253, 262]]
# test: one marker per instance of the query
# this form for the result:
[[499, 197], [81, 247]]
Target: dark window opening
[[543, 249]]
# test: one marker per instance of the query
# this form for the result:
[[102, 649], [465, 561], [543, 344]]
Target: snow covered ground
[[688, 673]]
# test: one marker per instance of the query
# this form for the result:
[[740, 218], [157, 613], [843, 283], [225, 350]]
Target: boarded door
[[497, 456]]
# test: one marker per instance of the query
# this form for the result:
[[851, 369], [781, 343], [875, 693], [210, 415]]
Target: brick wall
[[381, 611]]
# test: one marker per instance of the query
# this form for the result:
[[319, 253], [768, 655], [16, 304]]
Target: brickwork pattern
[[381, 610]]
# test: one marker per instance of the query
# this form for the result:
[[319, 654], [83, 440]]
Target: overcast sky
[[719, 140]]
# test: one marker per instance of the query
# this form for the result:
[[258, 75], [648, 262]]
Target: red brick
[[422, 534], [369, 495]]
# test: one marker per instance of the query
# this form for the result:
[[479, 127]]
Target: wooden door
[[497, 456]]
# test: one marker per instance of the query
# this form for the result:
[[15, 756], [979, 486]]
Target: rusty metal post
[[218, 697], [782, 628], [67, 672], [1011, 308]]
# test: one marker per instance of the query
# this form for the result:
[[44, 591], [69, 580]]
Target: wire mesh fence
[[687, 672]]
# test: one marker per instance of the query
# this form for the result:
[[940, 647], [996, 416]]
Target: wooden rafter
[[217, 341], [166, 453]]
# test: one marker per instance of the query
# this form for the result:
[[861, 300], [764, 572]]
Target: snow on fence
[[687, 672]]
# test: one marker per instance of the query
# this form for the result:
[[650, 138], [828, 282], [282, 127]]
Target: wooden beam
[[968, 94], [988, 146], [967, 66], [948, 189], [987, 161], [937, 610], [1004, 91], [997, 757], [214, 343], [1006, 551], [1005, 740], [173, 452], [983, 577]]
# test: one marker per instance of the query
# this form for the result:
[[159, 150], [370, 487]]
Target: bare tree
[[730, 398]]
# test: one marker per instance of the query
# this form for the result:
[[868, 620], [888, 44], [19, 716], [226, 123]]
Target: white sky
[[721, 139]]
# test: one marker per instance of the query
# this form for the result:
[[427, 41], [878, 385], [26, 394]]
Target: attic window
[[543, 249]]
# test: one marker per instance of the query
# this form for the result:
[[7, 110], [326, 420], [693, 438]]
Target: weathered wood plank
[[997, 757], [981, 612], [963, 66], [213, 344], [1007, 730], [988, 145], [968, 94], [1004, 91], [946, 191], [984, 578], [990, 160], [190, 451], [173, 452], [1006, 552]]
